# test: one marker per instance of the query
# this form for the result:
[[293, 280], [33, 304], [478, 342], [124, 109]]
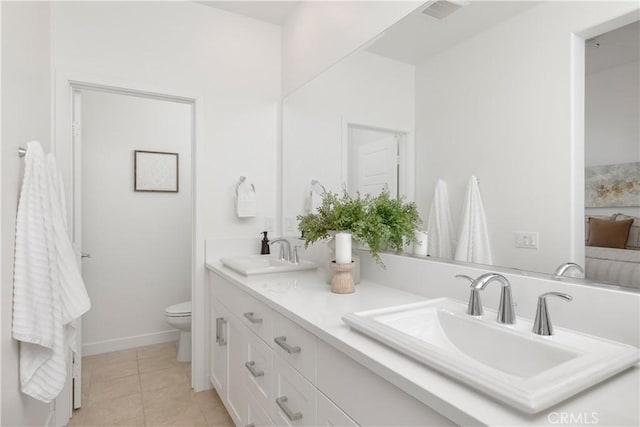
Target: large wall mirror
[[488, 90]]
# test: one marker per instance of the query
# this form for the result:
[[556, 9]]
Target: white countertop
[[306, 299]]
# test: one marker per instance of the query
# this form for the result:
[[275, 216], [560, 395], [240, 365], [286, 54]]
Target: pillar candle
[[343, 248], [421, 246]]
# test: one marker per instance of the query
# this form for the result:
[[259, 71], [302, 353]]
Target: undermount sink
[[265, 264], [510, 363]]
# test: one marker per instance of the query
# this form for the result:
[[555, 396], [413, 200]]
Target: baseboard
[[125, 343]]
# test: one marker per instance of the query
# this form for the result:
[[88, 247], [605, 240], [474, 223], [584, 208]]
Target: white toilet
[[179, 316]]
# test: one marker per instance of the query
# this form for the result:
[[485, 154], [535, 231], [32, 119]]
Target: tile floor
[[145, 386]]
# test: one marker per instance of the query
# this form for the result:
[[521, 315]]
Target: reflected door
[[374, 164]]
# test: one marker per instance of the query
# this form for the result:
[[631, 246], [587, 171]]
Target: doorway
[[375, 161], [136, 246], [612, 156]]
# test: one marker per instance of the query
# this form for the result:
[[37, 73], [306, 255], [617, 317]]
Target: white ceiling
[[275, 12], [419, 36], [614, 48]]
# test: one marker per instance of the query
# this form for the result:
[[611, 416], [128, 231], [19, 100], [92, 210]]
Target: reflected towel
[[440, 224], [473, 241], [48, 289], [246, 206], [316, 193]]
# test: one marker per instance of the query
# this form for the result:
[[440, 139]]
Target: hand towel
[[316, 193], [440, 224], [49, 293], [473, 241], [246, 206]]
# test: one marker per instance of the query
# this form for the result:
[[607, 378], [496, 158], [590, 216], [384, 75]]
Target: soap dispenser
[[265, 245]]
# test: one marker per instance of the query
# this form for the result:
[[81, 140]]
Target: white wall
[[364, 89], [318, 34], [140, 243], [25, 117], [232, 61], [612, 129], [498, 106]]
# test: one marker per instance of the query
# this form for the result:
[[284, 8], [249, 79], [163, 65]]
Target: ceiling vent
[[442, 8]]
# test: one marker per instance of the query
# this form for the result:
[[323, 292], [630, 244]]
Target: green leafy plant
[[380, 222]]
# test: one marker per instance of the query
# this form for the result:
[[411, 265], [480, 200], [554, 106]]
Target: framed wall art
[[155, 171], [612, 186]]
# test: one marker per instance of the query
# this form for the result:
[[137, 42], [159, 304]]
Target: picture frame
[[155, 171], [612, 186]]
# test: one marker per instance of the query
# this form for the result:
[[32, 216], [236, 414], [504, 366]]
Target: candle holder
[[342, 282]]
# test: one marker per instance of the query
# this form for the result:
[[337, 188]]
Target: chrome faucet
[[285, 249], [506, 310], [563, 268], [542, 324], [475, 304]]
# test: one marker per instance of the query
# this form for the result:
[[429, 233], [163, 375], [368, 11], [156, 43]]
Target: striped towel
[[49, 293]]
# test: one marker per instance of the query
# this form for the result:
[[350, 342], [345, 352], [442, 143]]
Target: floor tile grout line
[[144, 413]]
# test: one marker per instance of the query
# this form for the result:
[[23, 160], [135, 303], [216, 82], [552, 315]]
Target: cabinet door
[[219, 358], [329, 415], [236, 385]]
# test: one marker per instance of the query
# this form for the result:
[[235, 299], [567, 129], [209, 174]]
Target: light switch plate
[[526, 239]]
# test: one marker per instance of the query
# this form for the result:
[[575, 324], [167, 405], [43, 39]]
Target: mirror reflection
[[433, 102], [612, 177]]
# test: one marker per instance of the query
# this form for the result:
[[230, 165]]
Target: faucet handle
[[464, 276], [542, 324], [295, 258], [474, 308]]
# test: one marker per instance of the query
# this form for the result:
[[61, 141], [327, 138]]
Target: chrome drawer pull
[[251, 317], [219, 338], [255, 372], [282, 342], [282, 403]]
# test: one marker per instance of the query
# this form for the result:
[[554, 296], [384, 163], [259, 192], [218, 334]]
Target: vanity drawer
[[294, 402], [354, 387], [226, 293], [257, 316], [295, 345], [257, 416], [259, 370], [330, 415]]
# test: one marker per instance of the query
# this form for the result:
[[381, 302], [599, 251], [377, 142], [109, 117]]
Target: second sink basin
[[264, 264], [510, 363]]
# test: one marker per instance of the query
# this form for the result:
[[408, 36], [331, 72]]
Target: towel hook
[[243, 179], [315, 182], [22, 152]]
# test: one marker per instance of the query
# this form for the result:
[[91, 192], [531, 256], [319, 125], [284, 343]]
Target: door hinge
[[75, 129]]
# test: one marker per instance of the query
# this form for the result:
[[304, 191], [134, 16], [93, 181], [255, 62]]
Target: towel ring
[[22, 152], [243, 179]]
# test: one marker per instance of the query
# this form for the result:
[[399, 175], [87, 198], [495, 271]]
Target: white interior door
[[76, 371], [374, 161]]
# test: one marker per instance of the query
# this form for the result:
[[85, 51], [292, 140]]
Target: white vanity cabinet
[[227, 348], [268, 370]]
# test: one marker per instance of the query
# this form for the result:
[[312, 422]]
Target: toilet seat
[[182, 309]]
